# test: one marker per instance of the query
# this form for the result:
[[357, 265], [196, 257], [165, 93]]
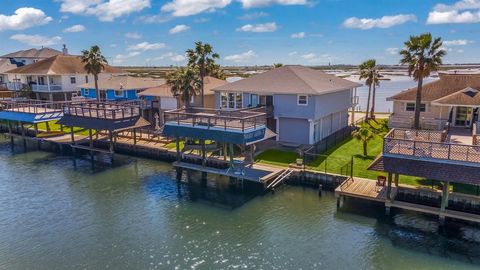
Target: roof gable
[[290, 80]]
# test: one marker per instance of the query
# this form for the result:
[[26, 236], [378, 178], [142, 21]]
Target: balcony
[[428, 146], [15, 86], [47, 88], [237, 126]]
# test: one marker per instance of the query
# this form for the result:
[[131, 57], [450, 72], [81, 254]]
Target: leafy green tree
[[201, 57], [277, 65], [95, 63], [422, 54], [184, 83]]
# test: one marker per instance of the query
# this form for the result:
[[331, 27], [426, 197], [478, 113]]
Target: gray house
[[304, 105]]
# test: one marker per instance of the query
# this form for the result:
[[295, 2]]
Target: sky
[[243, 32]]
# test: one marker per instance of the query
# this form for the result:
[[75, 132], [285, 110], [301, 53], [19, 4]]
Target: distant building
[[118, 87], [454, 99], [303, 105], [54, 78]]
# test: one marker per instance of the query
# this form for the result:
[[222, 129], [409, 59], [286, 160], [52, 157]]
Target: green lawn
[[54, 126], [277, 157]]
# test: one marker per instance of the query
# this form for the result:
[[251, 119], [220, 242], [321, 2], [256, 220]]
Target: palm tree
[[201, 57], [423, 54], [94, 64], [216, 71], [363, 134], [185, 84], [369, 73]]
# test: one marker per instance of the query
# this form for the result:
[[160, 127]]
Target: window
[[302, 100], [73, 80], [231, 100], [118, 93], [86, 78], [85, 92], [254, 102], [410, 107]]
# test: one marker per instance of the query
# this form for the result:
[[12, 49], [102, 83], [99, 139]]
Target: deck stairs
[[280, 178]]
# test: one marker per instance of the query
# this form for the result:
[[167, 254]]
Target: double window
[[302, 100], [231, 100], [410, 107]]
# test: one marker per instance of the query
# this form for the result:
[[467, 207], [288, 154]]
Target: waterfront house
[[118, 87], [454, 98], [55, 78], [303, 105]]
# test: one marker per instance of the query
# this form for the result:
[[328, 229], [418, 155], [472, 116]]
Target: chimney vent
[[65, 50]]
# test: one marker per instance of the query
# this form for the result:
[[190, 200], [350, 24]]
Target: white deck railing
[[46, 88]]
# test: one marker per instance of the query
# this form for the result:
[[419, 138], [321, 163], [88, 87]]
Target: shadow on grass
[[362, 157]]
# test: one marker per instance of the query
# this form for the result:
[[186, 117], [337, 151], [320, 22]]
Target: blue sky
[[243, 32]]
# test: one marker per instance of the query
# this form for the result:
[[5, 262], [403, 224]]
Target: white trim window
[[118, 93], [86, 92], [302, 100], [230, 100], [410, 107], [73, 80]]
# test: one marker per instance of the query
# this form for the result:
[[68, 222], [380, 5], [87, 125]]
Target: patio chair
[[380, 182]]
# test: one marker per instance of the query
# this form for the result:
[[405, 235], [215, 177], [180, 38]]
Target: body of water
[[55, 214]]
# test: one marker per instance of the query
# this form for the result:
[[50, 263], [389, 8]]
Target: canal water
[[57, 214]]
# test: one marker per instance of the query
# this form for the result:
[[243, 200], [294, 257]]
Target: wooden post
[[389, 186], [23, 136], [231, 155], [110, 136], [177, 144], [134, 136], [225, 151], [35, 126], [204, 160], [10, 133], [47, 125], [445, 190], [90, 136], [397, 176]]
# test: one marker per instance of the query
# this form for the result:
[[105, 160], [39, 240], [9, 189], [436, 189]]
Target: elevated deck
[[104, 115], [31, 111], [236, 126]]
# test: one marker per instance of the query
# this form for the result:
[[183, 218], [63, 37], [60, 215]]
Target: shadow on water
[[419, 232]]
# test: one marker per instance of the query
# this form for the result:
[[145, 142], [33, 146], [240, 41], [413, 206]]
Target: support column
[[10, 133], [177, 145], [204, 160], [397, 176], [23, 136], [389, 186], [445, 190], [110, 136], [35, 126], [231, 155], [134, 136], [225, 151]]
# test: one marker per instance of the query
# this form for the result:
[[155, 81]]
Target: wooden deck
[[366, 189], [362, 189], [254, 173]]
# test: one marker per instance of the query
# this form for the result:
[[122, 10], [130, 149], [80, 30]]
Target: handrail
[[104, 110]]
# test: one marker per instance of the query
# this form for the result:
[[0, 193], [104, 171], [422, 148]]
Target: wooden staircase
[[280, 178]]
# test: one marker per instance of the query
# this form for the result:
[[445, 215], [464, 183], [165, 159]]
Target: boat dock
[[366, 189]]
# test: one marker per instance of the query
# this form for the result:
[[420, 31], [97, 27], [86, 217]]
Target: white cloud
[[259, 28], [181, 8], [105, 10], [457, 42], [298, 35], [464, 11], [383, 22], [75, 29], [119, 58], [36, 40], [309, 56], [133, 35], [241, 58], [314, 58], [392, 51], [172, 57], [263, 3], [145, 46], [178, 29], [293, 53], [460, 51], [23, 18], [253, 15]]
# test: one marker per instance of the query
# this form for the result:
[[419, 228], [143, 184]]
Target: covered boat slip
[[423, 154]]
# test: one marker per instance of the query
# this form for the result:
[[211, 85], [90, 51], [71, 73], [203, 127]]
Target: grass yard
[[277, 157], [54, 126]]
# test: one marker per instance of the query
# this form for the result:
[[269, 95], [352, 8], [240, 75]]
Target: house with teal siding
[[118, 88]]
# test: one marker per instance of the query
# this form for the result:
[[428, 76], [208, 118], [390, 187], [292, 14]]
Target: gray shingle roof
[[290, 80], [33, 53]]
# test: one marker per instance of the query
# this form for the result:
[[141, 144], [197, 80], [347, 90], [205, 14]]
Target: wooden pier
[[368, 190]]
